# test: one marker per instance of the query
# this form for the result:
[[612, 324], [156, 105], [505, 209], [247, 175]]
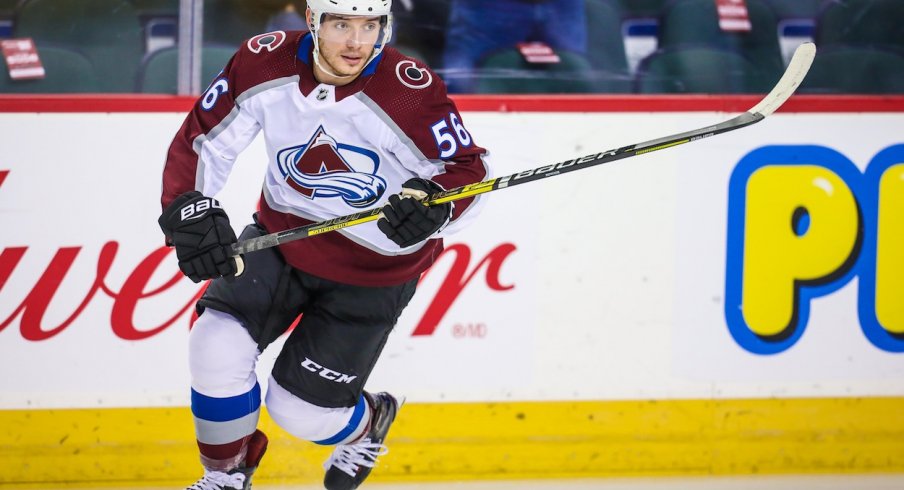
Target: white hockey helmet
[[374, 8], [351, 7]]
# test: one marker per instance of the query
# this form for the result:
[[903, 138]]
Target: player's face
[[346, 42]]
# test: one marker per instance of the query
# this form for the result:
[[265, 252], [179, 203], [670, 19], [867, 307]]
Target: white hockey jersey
[[332, 151]]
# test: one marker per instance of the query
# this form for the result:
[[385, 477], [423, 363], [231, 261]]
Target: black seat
[[855, 70], [158, 73], [862, 23], [107, 32], [700, 69], [696, 22], [423, 28], [796, 9], [66, 70], [643, 8], [507, 72], [606, 46], [231, 22]]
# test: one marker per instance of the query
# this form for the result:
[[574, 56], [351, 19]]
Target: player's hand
[[199, 229], [406, 220]]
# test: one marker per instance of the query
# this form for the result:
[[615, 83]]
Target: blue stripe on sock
[[352, 425], [225, 409]]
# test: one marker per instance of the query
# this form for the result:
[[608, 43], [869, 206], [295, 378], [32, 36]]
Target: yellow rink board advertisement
[[730, 306]]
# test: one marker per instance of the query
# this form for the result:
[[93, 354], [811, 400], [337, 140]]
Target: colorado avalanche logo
[[268, 41], [323, 168], [411, 76]]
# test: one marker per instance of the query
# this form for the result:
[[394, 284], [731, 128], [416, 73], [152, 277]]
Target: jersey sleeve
[[463, 160], [440, 134], [213, 134]]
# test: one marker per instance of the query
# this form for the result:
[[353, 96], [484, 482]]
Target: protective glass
[[358, 30]]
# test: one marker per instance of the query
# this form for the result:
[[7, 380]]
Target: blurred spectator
[[420, 28], [474, 31], [231, 22], [289, 18]]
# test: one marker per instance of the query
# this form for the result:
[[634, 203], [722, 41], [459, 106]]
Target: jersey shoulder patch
[[410, 72], [415, 98], [413, 76], [268, 41], [265, 57]]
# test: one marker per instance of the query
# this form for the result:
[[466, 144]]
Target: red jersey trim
[[487, 103]]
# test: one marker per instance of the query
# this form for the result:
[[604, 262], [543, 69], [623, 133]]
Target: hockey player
[[349, 124]]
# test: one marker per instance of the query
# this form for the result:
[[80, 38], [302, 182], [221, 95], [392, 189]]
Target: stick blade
[[793, 77]]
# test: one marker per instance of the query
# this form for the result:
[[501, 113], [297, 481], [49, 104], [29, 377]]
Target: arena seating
[[107, 32], [700, 69]]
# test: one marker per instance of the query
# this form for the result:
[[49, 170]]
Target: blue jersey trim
[[371, 67], [305, 47]]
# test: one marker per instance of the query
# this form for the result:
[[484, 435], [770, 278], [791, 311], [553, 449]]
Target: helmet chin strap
[[320, 65]]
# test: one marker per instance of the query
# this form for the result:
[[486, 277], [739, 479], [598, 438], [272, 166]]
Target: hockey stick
[[792, 78]]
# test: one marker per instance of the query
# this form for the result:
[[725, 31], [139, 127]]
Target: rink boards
[[730, 306]]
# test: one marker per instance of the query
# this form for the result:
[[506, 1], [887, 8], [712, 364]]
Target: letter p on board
[[801, 227], [794, 231]]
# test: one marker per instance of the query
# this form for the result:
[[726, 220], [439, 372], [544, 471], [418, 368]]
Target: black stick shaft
[[794, 74], [524, 177]]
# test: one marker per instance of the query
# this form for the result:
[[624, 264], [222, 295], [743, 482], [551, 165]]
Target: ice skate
[[217, 480], [350, 464], [240, 477]]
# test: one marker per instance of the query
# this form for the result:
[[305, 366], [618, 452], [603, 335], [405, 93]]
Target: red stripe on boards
[[93, 103]]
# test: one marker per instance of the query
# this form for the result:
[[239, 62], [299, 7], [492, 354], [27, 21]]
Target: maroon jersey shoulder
[[265, 57], [412, 95]]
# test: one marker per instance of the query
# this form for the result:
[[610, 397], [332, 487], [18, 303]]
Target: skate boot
[[350, 464], [240, 477]]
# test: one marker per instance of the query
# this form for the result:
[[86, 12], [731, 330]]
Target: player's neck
[[323, 76]]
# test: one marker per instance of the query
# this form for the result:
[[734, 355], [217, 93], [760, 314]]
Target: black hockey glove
[[199, 229], [406, 221]]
